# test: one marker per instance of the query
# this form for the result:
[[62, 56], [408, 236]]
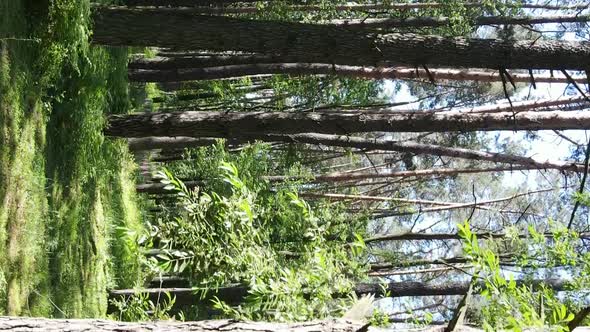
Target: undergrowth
[[67, 198]]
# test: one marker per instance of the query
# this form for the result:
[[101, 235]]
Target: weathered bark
[[236, 294], [387, 145], [184, 3], [215, 6], [572, 103], [157, 70], [446, 236], [425, 21], [422, 262], [22, 324], [258, 124], [443, 206], [344, 197], [314, 43], [420, 148], [355, 176], [157, 188]]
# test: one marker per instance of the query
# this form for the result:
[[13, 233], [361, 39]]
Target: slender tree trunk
[[443, 206], [21, 324], [236, 294], [421, 262], [447, 236], [158, 188], [347, 197], [162, 71], [420, 148], [355, 176], [314, 43]]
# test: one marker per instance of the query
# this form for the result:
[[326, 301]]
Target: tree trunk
[[79, 325], [165, 71], [348, 197], [355, 176], [235, 294], [442, 206], [309, 8], [184, 3], [158, 188], [175, 62], [421, 262], [447, 236], [129, 127], [425, 21], [257, 125], [420, 148], [327, 44]]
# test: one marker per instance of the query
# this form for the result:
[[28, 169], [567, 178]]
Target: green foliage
[[508, 305], [139, 308], [309, 92], [293, 256]]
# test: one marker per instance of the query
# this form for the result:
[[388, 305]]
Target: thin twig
[[582, 185]]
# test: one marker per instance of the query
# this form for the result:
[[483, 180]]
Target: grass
[[68, 208]]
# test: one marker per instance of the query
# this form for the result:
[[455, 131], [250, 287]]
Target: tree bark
[[425, 21], [442, 206], [158, 70], [355, 176], [348, 197], [184, 3], [420, 148], [446, 236], [314, 43], [217, 7], [416, 148], [235, 294], [175, 62], [22, 324], [421, 262], [158, 188], [257, 125]]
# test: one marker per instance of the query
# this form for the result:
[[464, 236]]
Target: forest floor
[[68, 208]]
